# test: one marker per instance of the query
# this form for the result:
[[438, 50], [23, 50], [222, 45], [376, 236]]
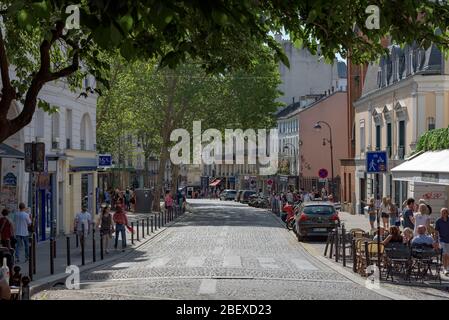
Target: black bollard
[[148, 225], [367, 254], [30, 260], [354, 256], [77, 240], [132, 233], [343, 236], [94, 255], [137, 223], [83, 261], [329, 236], [34, 253], [337, 246], [54, 248], [152, 221], [101, 247], [68, 251], [332, 245], [52, 259], [143, 228]]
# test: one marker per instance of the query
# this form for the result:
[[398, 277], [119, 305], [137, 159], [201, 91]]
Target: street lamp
[[317, 127]]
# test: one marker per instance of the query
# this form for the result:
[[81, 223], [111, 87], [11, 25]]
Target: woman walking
[[106, 226], [385, 212], [422, 218], [372, 213]]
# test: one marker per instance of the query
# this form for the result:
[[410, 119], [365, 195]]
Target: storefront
[[11, 163], [427, 175]]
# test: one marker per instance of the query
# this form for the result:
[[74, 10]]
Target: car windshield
[[232, 192], [327, 210]]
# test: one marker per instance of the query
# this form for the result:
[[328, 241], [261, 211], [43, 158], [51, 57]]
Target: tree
[[34, 42]]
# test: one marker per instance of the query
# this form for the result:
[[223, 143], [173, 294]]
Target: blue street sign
[[104, 160], [376, 161]]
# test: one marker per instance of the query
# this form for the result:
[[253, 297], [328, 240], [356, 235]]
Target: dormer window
[[376, 116], [400, 111], [387, 114]]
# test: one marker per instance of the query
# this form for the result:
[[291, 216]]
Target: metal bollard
[[82, 243], [77, 240], [329, 236], [132, 233], [101, 247], [343, 236], [152, 220], [68, 251], [94, 255], [52, 258], [143, 228], [337, 247], [367, 254], [54, 248], [332, 245], [354, 256], [159, 219], [148, 225], [34, 253], [30, 261], [137, 223]]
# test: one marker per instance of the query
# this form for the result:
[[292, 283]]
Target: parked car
[[259, 201], [228, 194], [244, 197], [238, 195], [316, 219]]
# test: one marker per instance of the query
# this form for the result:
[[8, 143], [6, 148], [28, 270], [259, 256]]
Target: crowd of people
[[280, 200]]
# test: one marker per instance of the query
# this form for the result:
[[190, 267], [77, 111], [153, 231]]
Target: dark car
[[316, 219], [244, 197], [228, 194]]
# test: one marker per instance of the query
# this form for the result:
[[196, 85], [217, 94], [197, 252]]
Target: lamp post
[[317, 127]]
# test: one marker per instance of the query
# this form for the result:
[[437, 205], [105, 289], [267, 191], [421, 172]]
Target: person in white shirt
[[22, 221], [83, 222], [422, 218]]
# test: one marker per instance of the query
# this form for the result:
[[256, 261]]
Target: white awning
[[430, 167]]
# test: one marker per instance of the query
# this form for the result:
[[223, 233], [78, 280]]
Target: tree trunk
[[146, 183], [174, 179], [160, 178]]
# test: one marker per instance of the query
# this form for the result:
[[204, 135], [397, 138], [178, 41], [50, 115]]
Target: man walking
[[121, 222], [22, 221], [83, 221], [442, 229], [407, 214]]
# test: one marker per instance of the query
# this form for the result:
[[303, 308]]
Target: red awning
[[215, 183]]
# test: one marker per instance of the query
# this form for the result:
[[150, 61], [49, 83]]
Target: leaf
[[115, 35], [219, 17], [23, 18], [126, 22]]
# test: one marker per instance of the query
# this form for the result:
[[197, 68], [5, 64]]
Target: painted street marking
[[208, 286], [303, 264], [232, 261], [159, 262], [122, 265], [195, 261]]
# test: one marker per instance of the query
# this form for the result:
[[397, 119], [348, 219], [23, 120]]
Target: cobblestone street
[[222, 250]]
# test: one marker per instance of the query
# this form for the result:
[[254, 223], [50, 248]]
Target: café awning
[[215, 183], [429, 167], [9, 152]]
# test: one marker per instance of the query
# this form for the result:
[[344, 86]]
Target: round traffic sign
[[322, 173], [269, 182]]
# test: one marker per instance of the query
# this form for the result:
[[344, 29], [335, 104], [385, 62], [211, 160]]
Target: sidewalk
[[43, 274]]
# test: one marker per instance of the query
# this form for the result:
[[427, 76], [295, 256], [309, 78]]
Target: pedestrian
[[127, 199], [168, 202], [22, 223], [421, 218], [407, 214], [106, 226], [6, 230], [429, 208], [442, 234], [385, 212], [121, 222], [133, 201], [394, 215], [372, 213], [83, 221], [107, 197]]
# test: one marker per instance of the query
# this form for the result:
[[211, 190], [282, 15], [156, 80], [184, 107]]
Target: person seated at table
[[407, 235], [394, 236], [382, 234], [422, 238]]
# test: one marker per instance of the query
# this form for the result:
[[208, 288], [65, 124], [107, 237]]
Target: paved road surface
[[222, 250]]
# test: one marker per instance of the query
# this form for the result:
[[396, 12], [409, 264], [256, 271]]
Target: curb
[[50, 281], [341, 270]]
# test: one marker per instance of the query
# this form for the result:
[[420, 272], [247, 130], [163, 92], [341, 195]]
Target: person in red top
[[121, 222], [6, 229], [288, 208]]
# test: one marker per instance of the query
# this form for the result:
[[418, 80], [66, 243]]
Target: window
[[389, 139], [68, 128], [378, 138], [362, 136], [430, 123], [55, 130], [401, 139]]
